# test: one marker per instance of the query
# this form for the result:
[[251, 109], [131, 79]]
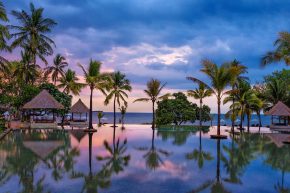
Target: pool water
[[138, 160]]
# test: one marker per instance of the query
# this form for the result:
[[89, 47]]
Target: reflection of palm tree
[[199, 155], [216, 185], [93, 181], [116, 160], [153, 154], [278, 158]]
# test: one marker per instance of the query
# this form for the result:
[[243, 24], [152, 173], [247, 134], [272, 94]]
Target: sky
[[163, 39]]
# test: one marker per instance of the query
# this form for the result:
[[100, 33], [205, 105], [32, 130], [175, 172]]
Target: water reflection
[[198, 154], [108, 161], [153, 155]]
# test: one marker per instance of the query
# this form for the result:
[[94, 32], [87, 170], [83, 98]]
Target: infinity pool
[[138, 160]]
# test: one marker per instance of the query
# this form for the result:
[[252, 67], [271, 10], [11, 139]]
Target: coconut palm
[[118, 87], [282, 52], [4, 35], [94, 80], [154, 88], [100, 116], [27, 72], [200, 93], [239, 70], [220, 77], [123, 110], [57, 69], [31, 33], [275, 91], [245, 101], [69, 83]]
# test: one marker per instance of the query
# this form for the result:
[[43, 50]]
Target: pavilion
[[41, 107], [77, 111], [280, 119]]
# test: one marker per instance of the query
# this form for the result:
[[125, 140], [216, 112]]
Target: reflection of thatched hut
[[42, 148], [79, 113], [79, 134], [280, 116], [278, 138], [41, 107]]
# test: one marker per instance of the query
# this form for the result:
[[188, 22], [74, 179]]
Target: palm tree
[[275, 91], [4, 35], [27, 72], [200, 93], [123, 110], [239, 69], [282, 52], [94, 80], [245, 101], [220, 77], [154, 88], [69, 83], [100, 116], [119, 85], [31, 34], [57, 69]]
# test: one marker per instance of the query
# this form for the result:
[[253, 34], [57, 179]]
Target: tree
[[69, 83], [245, 101], [282, 52], [4, 35], [220, 77], [123, 110], [154, 88], [94, 80], [119, 85], [27, 72], [239, 70], [177, 110], [100, 116], [200, 93], [31, 33], [57, 69]]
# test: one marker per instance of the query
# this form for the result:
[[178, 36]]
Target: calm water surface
[[136, 160]]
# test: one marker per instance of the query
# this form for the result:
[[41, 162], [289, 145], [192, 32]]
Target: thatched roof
[[43, 101], [280, 109], [42, 148], [79, 107]]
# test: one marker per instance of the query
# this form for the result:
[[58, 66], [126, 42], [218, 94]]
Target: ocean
[[146, 118]]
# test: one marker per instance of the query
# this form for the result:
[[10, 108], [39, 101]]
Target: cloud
[[164, 39]]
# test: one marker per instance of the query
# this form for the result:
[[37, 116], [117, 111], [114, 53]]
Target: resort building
[[42, 110], [79, 114], [280, 119]]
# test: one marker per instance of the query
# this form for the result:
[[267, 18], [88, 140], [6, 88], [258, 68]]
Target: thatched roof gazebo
[[40, 106], [77, 110], [281, 112]]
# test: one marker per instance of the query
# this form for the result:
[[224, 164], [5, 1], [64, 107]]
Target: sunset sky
[[164, 39]]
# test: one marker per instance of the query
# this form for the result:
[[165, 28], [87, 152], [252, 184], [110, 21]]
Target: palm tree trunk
[[242, 118], [91, 109], [200, 109], [233, 121], [248, 119], [219, 116], [260, 121], [114, 111], [153, 114]]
